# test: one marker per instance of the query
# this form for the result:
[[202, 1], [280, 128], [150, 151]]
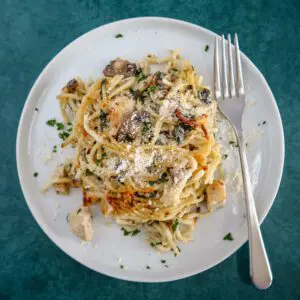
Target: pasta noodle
[[144, 147]]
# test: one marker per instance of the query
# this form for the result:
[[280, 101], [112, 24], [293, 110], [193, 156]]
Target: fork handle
[[260, 270]]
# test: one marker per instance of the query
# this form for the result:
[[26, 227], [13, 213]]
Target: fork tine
[[217, 70], [231, 74], [240, 82], [224, 68]]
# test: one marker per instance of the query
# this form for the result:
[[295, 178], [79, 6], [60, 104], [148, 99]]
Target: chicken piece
[[119, 109], [81, 223], [215, 195]]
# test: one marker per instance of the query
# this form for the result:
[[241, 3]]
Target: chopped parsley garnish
[[152, 194], [121, 267], [228, 237], [163, 261], [135, 232], [59, 126], [225, 156], [262, 123], [174, 70], [119, 35], [125, 232], [79, 210], [146, 127], [139, 75], [132, 233], [152, 244], [103, 119], [175, 225], [54, 150], [148, 267], [206, 48], [70, 129], [51, 122], [35, 174], [63, 135], [152, 88], [104, 155], [36, 109]]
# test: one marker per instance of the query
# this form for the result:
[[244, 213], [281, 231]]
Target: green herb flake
[[132, 233], [228, 237], [206, 48], [166, 266], [79, 210], [264, 122], [152, 194], [70, 129], [36, 109], [119, 35], [35, 174], [54, 150], [152, 88], [63, 135], [139, 75], [175, 225], [104, 155], [148, 267], [103, 119], [125, 232], [51, 122], [152, 244], [163, 261], [121, 267], [60, 126], [146, 127], [225, 156], [135, 232]]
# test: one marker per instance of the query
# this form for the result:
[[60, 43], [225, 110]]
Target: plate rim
[[44, 226]]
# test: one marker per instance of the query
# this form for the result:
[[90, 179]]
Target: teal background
[[31, 33]]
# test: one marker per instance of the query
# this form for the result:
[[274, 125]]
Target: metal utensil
[[231, 101]]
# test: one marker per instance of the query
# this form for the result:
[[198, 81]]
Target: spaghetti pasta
[[144, 147]]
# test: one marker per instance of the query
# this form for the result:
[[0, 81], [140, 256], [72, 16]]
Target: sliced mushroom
[[132, 125], [120, 67], [71, 86], [205, 96]]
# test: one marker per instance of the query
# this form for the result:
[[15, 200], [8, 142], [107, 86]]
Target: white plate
[[87, 56]]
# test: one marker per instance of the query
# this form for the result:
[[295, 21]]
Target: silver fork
[[231, 102]]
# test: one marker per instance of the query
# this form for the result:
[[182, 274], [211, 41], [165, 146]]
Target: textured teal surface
[[31, 33]]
